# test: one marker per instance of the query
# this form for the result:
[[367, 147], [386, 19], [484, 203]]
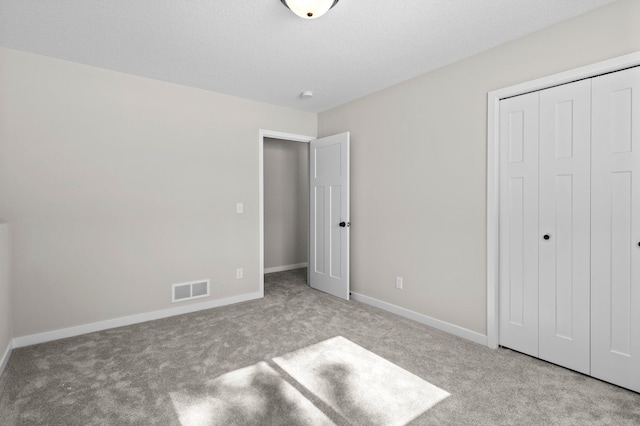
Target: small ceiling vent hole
[[188, 291]]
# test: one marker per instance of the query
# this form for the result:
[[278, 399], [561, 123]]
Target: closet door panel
[[615, 239], [519, 223], [564, 274]]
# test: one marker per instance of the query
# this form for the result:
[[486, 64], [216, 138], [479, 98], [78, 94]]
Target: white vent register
[[188, 291]]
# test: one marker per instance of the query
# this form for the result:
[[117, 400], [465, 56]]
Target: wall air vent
[[188, 291]]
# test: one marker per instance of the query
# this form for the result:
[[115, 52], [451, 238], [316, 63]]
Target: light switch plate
[[399, 282]]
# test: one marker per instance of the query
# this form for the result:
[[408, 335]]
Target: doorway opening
[[283, 216]]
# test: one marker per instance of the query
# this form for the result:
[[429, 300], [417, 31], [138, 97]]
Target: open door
[[329, 215]]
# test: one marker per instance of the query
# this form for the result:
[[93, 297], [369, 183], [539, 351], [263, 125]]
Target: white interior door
[[615, 238], [329, 215], [565, 210], [519, 223]]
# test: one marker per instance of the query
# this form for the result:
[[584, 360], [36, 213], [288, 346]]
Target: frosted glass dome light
[[309, 9]]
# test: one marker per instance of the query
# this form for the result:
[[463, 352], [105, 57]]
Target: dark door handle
[[546, 237], [345, 224]]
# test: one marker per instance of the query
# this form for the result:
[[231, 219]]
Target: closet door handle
[[547, 236]]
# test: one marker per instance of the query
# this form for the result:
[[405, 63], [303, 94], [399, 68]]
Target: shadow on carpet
[[331, 382]]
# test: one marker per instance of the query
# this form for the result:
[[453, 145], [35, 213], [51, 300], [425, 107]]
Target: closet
[[570, 226]]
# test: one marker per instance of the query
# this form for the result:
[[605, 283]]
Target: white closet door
[[519, 223], [615, 238], [565, 206]]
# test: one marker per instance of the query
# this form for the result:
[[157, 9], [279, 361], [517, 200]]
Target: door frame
[[262, 134], [493, 168]]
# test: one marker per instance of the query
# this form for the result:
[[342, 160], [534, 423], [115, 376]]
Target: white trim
[[5, 358], [493, 167], [285, 268], [493, 219], [48, 336], [422, 319], [262, 133]]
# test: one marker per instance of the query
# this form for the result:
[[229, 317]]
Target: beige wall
[[418, 165], [5, 290], [286, 202], [117, 186]]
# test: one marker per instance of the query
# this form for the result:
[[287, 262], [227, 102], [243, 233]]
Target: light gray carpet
[[152, 373]]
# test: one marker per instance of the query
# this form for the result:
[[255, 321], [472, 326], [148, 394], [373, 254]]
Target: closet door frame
[[493, 168]]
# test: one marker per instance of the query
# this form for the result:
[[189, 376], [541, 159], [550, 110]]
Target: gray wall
[[5, 289], [117, 186], [418, 165], [286, 202]]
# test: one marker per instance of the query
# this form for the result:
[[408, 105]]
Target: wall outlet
[[239, 208], [239, 273], [399, 281]]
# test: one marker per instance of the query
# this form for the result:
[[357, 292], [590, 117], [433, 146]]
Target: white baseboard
[[5, 357], [423, 319], [48, 336], [285, 268]]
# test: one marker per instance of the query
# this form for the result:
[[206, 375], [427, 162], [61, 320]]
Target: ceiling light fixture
[[309, 9]]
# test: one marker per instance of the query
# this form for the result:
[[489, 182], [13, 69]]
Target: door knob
[[547, 236], [345, 224]]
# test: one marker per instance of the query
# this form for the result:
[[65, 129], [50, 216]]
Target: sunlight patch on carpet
[[359, 384], [334, 379], [251, 395]]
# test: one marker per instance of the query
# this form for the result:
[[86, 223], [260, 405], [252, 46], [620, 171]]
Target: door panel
[[519, 223], [615, 238], [317, 231], [329, 242], [564, 274], [621, 252], [336, 232]]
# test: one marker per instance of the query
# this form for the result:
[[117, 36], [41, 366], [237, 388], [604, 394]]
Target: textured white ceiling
[[258, 49]]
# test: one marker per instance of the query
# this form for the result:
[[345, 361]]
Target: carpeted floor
[[157, 372]]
